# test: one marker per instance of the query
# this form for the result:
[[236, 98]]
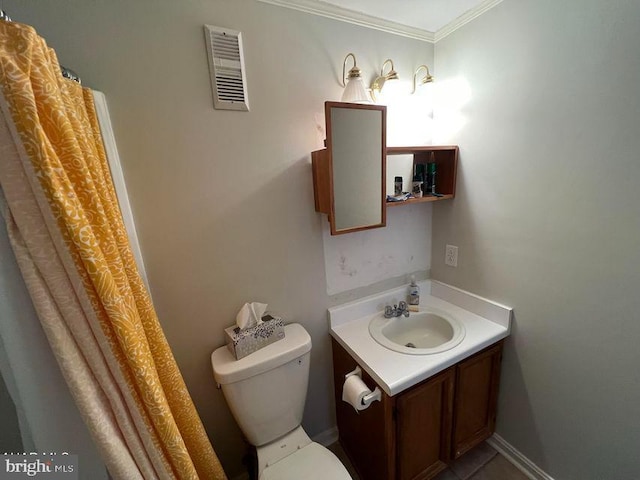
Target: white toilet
[[266, 392]]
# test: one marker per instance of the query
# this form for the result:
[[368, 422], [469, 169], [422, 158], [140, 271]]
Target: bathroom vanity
[[415, 434], [434, 407]]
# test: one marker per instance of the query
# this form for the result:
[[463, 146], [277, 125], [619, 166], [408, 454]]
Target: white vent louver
[[226, 64]]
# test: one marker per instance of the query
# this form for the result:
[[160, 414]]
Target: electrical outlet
[[451, 256]]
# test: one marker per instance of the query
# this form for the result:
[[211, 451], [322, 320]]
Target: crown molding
[[324, 9], [464, 19], [334, 12]]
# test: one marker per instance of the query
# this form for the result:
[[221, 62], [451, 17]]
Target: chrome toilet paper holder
[[370, 397]]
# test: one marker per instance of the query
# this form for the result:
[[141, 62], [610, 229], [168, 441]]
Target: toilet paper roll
[[353, 391]]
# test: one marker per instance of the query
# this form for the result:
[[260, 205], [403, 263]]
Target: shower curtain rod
[[66, 72]]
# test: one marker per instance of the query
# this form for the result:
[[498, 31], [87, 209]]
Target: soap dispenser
[[414, 295]]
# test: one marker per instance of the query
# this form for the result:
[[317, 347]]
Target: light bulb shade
[[392, 91], [355, 91]]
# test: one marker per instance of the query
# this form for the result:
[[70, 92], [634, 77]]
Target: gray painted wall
[[10, 440], [547, 219], [223, 201], [546, 215]]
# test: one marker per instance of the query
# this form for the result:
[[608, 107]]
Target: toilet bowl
[[266, 392]]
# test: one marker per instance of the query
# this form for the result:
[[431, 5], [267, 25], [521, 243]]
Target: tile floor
[[481, 463]]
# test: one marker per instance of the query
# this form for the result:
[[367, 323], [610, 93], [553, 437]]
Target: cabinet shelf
[[420, 200]]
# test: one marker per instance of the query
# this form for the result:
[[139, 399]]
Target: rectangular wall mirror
[[349, 175]]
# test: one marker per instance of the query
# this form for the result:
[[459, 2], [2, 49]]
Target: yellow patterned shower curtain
[[67, 233]]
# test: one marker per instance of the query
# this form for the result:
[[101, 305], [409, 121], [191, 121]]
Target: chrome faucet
[[396, 310]]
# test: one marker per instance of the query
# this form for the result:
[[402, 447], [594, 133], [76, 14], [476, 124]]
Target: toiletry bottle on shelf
[[397, 186], [414, 295], [431, 176], [417, 186], [421, 173]]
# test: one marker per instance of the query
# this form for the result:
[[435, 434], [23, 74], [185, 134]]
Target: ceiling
[[427, 20], [428, 15]]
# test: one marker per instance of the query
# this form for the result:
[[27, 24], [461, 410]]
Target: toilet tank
[[266, 390]]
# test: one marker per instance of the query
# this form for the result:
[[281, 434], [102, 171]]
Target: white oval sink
[[422, 333]]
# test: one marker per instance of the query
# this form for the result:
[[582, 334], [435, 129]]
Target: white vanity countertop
[[485, 323]]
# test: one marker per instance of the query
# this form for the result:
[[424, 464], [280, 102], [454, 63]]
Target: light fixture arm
[[378, 83], [427, 79], [392, 75], [353, 73]]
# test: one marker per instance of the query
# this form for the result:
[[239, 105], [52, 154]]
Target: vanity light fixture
[[428, 78], [379, 82], [354, 89]]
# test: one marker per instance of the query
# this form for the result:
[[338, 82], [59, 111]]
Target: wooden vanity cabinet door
[[423, 427], [476, 398]]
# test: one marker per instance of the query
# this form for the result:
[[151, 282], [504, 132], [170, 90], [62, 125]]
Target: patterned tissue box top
[[244, 342]]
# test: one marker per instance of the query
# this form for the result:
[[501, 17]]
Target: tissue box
[[243, 342]]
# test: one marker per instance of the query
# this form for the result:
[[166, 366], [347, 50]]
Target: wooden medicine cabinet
[[349, 174]]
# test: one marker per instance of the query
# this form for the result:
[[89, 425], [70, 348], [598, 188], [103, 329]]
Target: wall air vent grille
[[226, 65]]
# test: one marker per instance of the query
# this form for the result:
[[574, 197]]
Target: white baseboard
[[327, 437], [522, 463]]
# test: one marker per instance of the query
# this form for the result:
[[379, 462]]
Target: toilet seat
[[313, 462]]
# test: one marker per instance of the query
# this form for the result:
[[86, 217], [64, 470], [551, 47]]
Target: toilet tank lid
[[226, 369]]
